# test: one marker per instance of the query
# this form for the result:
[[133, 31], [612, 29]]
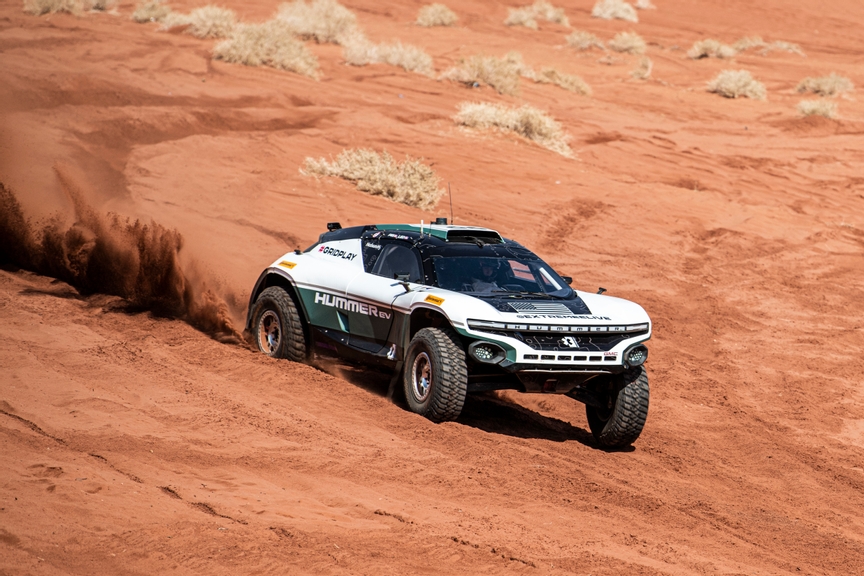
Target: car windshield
[[501, 276]]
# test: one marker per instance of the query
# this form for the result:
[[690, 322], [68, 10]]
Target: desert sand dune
[[140, 435]]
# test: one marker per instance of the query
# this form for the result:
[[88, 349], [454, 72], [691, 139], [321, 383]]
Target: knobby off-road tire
[[435, 376], [621, 421], [277, 329]]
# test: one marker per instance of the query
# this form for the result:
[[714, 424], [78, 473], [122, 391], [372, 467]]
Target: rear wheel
[[435, 376], [625, 408], [277, 328]]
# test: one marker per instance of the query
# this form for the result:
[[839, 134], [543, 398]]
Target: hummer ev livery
[[455, 310]]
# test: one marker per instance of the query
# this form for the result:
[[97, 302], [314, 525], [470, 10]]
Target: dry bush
[[645, 5], [541, 9], [569, 82], [614, 9], [411, 182], [39, 7], [205, 22], [748, 42], [643, 71], [628, 42], [359, 52], [325, 21], [526, 121], [710, 48], [830, 85], [436, 15], [502, 74], [817, 108], [584, 40], [268, 44], [737, 84], [153, 11]]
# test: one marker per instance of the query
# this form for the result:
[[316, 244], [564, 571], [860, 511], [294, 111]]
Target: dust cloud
[[108, 254]]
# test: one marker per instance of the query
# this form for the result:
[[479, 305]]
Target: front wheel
[[435, 374], [277, 328], [625, 408]]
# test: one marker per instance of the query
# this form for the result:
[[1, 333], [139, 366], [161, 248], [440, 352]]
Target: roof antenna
[[421, 227], [449, 191]]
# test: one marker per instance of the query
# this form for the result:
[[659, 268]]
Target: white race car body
[[364, 292]]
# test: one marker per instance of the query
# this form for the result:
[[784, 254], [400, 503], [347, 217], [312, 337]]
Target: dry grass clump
[[325, 21], [541, 9], [628, 42], [359, 52], [268, 44], [614, 9], [152, 11], [737, 84], [643, 71], [526, 121], [39, 7], [830, 85], [581, 40], [436, 15], [502, 74], [206, 22], [710, 48], [569, 82], [748, 42], [411, 182], [817, 108], [645, 5]]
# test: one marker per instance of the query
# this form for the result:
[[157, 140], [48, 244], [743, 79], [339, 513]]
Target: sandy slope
[[137, 444]]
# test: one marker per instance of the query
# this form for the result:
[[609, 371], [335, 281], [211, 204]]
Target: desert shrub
[[39, 7], [710, 48], [830, 85], [628, 42], [436, 15], [359, 52], [541, 9], [205, 22], [268, 44], [614, 9], [152, 11], [569, 82], [325, 21], [644, 5], [502, 74], [526, 121], [748, 42], [737, 84], [643, 71], [584, 40], [411, 182], [817, 108]]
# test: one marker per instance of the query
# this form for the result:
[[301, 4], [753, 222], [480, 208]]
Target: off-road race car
[[452, 310]]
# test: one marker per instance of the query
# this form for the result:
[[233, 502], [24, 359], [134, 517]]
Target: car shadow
[[491, 414], [483, 411]]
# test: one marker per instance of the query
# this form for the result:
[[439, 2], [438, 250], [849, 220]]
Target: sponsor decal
[[569, 342], [286, 264], [373, 246], [350, 305], [434, 300], [562, 316], [610, 354], [337, 253], [397, 236]]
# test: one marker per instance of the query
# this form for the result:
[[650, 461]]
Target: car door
[[388, 263]]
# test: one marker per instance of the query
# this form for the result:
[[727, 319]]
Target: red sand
[[139, 445]]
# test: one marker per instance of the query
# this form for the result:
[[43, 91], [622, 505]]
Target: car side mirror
[[567, 279], [403, 280]]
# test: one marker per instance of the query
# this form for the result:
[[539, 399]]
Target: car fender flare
[[264, 282]]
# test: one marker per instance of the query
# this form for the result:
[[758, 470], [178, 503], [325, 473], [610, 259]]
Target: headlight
[[486, 352], [636, 356]]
